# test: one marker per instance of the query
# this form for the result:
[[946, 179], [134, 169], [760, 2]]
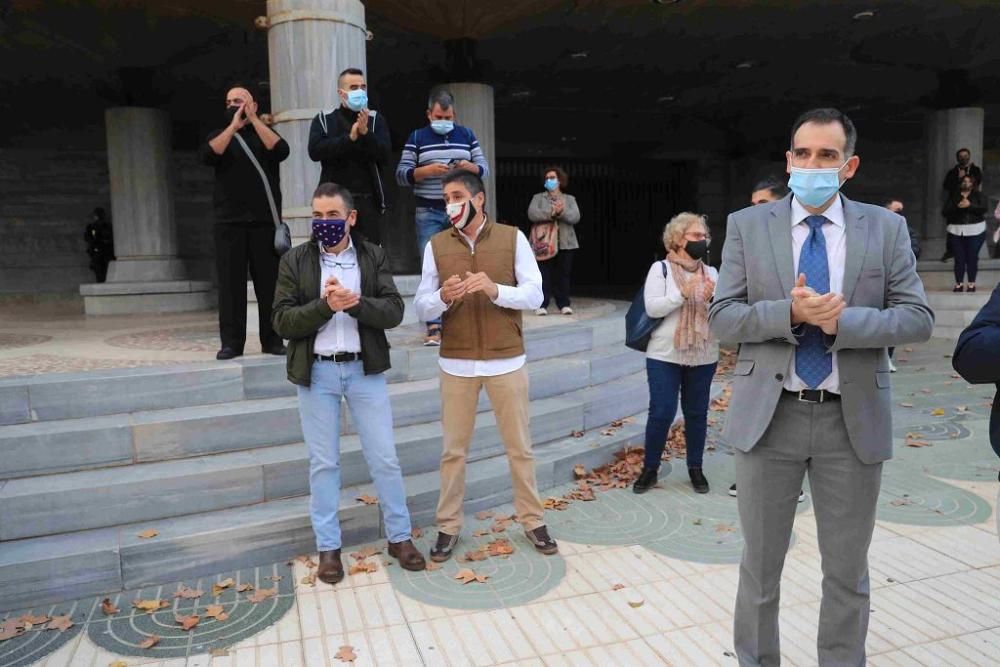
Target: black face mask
[[697, 249], [231, 113]]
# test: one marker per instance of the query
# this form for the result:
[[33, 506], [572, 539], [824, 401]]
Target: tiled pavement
[[639, 581]]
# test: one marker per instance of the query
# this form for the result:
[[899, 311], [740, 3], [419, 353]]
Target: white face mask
[[460, 213]]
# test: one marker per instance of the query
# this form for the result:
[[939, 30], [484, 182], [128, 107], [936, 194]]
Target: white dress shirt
[[525, 295], [340, 334], [836, 256]]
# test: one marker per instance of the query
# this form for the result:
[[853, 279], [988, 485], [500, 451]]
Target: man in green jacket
[[334, 300]]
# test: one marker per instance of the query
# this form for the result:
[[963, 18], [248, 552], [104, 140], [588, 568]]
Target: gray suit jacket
[[886, 306]]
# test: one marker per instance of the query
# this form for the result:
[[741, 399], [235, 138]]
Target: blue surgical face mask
[[814, 187], [551, 184], [442, 127], [357, 99]]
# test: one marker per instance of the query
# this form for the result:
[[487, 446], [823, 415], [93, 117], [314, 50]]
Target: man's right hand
[[239, 119], [340, 299], [434, 170], [811, 308], [452, 290]]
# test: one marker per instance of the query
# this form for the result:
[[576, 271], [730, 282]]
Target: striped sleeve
[[478, 156], [407, 162]]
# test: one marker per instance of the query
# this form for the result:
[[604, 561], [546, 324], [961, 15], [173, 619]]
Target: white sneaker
[[566, 310], [892, 367], [541, 311]]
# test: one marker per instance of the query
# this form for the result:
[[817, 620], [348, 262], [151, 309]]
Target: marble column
[[147, 276], [946, 131], [474, 109], [309, 43]]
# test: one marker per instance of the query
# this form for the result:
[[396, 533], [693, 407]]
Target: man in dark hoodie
[[352, 143]]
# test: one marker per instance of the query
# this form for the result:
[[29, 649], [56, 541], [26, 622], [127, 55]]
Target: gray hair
[[441, 97]]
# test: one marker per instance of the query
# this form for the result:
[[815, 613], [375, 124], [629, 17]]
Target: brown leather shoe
[[407, 555], [331, 570]]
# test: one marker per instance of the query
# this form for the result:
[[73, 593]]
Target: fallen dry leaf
[[60, 623], [618, 587], [187, 623], [262, 594], [482, 516], [938, 412], [362, 567], [10, 629], [345, 654], [906, 405], [274, 577], [725, 528], [149, 642], [555, 504], [468, 576], [309, 579], [216, 611], [907, 349], [480, 533], [576, 434], [366, 552], [925, 390], [899, 502], [918, 443], [147, 534], [28, 620], [244, 588], [367, 500], [961, 408], [218, 653], [149, 606], [500, 525], [188, 593], [955, 376], [118, 663], [220, 586], [108, 607], [475, 556], [579, 471], [417, 533], [500, 547], [431, 566]]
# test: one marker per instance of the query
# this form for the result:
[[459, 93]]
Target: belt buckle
[[802, 398]]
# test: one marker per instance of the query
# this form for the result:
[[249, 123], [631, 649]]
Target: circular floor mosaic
[[11, 340], [199, 338], [911, 497], [37, 642]]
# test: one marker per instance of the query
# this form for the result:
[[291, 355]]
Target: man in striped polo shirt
[[430, 153]]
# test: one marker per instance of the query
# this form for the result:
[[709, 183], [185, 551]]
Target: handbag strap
[[263, 178]]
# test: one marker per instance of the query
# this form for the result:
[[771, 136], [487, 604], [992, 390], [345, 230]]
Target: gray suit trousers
[[805, 437]]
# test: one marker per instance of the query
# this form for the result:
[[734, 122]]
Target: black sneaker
[[227, 353], [443, 547], [539, 537], [645, 481], [698, 480]]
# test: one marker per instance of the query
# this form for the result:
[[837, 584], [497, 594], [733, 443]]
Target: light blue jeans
[[319, 409], [430, 221]]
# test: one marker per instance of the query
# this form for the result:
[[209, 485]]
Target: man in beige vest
[[490, 276]]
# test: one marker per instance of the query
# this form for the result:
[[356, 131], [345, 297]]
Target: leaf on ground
[[725, 528], [918, 443], [431, 566], [363, 567], [475, 556], [468, 576], [346, 654], [108, 607], [367, 500], [907, 349], [187, 623], [696, 522], [29, 620], [500, 547], [220, 586], [576, 434], [480, 533], [925, 390], [583, 492], [579, 471], [618, 587], [149, 606], [118, 663], [60, 623], [483, 516], [149, 642], [262, 594], [903, 360], [417, 533], [899, 502], [244, 588], [937, 412], [10, 629], [366, 552], [955, 376], [188, 593], [216, 611], [275, 577], [500, 525], [906, 405], [218, 653], [309, 579], [555, 504], [147, 534]]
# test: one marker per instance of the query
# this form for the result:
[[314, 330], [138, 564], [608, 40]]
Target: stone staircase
[[941, 275], [210, 456], [953, 312]]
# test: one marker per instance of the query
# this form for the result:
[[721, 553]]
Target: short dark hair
[[334, 190], [471, 181], [825, 116], [441, 97], [961, 150], [349, 70], [560, 174], [772, 184]]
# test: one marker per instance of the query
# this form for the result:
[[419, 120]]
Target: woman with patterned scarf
[[682, 354]]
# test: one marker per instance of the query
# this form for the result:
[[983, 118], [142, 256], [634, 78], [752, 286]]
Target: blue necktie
[[813, 363]]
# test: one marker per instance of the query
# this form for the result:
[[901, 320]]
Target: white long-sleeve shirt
[[340, 334], [663, 299], [525, 295]]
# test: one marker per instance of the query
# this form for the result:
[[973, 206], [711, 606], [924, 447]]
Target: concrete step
[[954, 318], [947, 332], [940, 275], [948, 300], [93, 562], [156, 435], [94, 393], [406, 284]]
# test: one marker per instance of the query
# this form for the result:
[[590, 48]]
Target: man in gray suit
[[814, 287]]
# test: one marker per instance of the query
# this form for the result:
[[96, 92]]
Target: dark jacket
[[239, 193], [975, 212], [356, 165], [977, 356], [299, 313], [952, 180]]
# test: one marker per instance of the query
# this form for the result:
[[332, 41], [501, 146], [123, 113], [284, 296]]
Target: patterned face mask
[[329, 232]]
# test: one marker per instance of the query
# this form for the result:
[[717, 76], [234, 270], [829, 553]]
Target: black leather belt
[[340, 357], [814, 395]]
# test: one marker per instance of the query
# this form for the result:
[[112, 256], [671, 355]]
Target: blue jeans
[[319, 409], [695, 386], [430, 221]]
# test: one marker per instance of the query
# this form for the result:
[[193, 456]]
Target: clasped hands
[[455, 288], [821, 310], [338, 297]]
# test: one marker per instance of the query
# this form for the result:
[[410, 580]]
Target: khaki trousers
[[508, 396]]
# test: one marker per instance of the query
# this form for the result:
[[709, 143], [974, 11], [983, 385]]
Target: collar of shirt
[[834, 214], [347, 253]]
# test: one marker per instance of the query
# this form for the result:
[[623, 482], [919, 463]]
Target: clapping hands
[[338, 297], [821, 310]]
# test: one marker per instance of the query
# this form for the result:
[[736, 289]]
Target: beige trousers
[[508, 396]]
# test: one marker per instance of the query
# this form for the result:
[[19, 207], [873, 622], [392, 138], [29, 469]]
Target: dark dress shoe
[[698, 480], [645, 481], [331, 570], [407, 555], [443, 547], [227, 353], [543, 543], [276, 350]]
